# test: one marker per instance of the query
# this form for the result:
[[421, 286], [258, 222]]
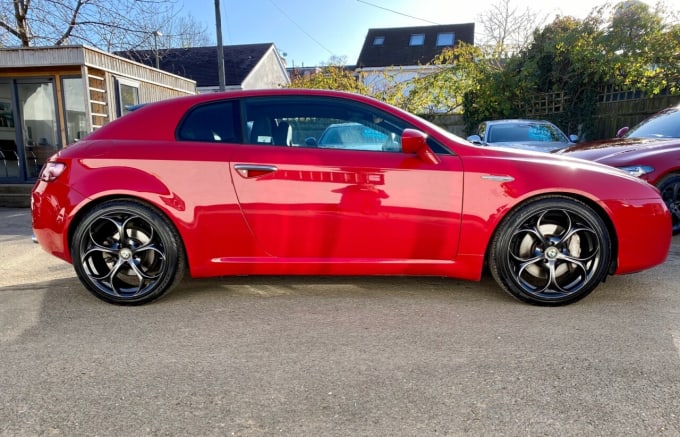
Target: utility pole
[[220, 47], [156, 34]]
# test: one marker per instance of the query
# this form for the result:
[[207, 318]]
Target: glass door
[[10, 169], [37, 106]]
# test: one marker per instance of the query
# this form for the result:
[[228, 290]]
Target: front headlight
[[637, 170]]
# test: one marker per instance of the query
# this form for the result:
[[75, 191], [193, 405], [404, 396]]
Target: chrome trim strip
[[498, 178]]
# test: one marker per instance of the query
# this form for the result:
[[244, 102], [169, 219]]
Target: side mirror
[[415, 141], [621, 132], [573, 138], [310, 142], [475, 139]]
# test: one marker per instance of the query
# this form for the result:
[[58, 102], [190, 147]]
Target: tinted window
[[212, 122]]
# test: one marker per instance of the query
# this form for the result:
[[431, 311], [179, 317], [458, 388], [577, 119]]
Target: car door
[[321, 204]]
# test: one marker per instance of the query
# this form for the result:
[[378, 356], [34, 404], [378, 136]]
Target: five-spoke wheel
[[551, 251], [127, 253]]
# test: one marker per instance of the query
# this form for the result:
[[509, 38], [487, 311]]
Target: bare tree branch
[[506, 29], [105, 24], [72, 24]]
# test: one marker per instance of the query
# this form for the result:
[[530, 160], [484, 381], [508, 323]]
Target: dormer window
[[445, 39], [417, 39], [378, 40]]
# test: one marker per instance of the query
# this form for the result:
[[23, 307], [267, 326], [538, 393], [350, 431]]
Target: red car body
[[650, 151], [249, 209], [663, 155]]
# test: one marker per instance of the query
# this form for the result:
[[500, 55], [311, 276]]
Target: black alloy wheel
[[551, 251], [670, 193], [127, 253]]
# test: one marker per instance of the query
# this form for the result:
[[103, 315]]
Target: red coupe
[[238, 184]]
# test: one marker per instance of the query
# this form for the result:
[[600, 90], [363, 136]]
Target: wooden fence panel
[[616, 114]]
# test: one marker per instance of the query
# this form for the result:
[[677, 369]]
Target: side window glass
[[359, 136], [321, 123], [212, 122]]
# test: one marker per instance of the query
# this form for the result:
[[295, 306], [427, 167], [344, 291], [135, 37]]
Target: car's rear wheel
[[670, 192], [551, 251], [127, 253]]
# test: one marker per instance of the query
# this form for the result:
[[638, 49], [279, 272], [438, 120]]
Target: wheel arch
[[82, 213], [595, 206]]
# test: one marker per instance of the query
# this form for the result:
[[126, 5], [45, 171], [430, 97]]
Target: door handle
[[250, 171]]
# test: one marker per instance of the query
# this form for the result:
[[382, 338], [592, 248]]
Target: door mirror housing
[[475, 139], [621, 132], [415, 142]]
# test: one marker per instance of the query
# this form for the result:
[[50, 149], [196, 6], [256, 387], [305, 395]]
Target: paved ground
[[332, 356]]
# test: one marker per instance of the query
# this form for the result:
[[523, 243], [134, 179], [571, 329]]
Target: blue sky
[[309, 32]]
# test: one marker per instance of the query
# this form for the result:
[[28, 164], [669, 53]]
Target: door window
[[321, 123]]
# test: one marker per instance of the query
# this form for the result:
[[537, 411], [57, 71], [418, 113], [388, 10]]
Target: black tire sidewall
[[174, 268], [499, 263], [668, 180]]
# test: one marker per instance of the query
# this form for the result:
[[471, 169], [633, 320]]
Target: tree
[[441, 86], [108, 25], [506, 29], [628, 46], [332, 76], [643, 46]]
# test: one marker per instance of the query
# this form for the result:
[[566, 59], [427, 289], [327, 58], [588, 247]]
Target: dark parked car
[[226, 184], [536, 135], [650, 151]]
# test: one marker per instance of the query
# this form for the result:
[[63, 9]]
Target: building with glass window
[[53, 96], [399, 54]]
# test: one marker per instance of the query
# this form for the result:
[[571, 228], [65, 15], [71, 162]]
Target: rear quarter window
[[216, 122]]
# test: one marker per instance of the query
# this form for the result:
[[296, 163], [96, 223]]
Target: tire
[[134, 270], [670, 192], [552, 251]]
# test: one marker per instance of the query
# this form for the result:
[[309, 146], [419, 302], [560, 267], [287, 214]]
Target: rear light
[[51, 171]]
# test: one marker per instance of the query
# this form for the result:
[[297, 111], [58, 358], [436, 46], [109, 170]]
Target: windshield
[[524, 132], [665, 124]]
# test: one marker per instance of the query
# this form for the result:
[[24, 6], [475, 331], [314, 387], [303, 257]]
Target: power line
[[301, 29], [396, 12]]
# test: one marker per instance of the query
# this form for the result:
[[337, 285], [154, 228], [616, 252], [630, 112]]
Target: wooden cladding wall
[[98, 95], [127, 68]]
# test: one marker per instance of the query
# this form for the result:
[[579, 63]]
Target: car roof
[[516, 120], [165, 115]]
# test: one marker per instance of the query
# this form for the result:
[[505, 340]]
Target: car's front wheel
[[550, 251], [670, 192], [127, 253]]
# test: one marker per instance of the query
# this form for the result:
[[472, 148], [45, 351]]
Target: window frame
[[120, 82], [416, 39], [446, 35], [64, 102]]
